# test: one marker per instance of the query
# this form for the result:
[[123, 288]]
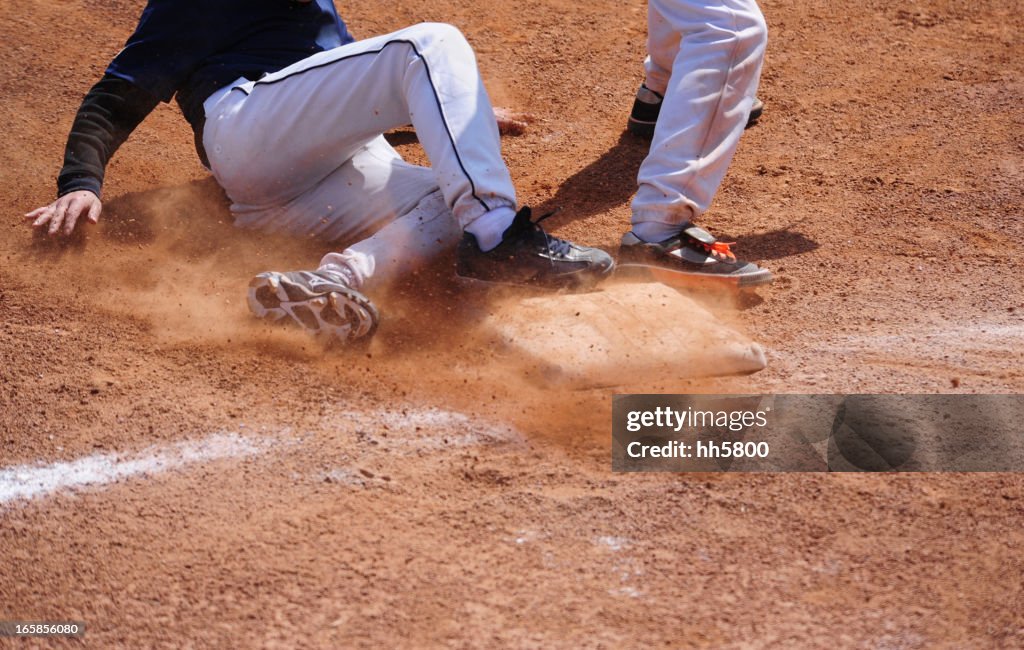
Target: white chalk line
[[953, 337], [23, 482], [427, 429]]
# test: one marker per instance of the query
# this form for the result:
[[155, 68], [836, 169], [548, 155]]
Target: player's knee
[[443, 35]]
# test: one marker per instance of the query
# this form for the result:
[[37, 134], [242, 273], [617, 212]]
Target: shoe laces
[[554, 244]]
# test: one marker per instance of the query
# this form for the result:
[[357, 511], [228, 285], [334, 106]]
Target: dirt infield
[[201, 480]]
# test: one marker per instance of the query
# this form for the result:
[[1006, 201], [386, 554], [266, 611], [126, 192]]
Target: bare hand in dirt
[[510, 122], [61, 216]]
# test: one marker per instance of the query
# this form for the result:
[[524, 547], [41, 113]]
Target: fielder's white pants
[[300, 151], [705, 58]]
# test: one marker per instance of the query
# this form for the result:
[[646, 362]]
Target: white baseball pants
[[705, 58], [300, 151]]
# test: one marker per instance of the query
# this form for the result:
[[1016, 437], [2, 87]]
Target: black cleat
[[647, 107], [692, 258], [320, 302], [756, 109], [529, 256]]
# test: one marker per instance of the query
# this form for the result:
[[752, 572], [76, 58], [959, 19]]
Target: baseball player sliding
[[288, 113], [702, 70]]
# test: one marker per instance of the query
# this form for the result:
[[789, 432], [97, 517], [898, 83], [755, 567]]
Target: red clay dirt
[[421, 493]]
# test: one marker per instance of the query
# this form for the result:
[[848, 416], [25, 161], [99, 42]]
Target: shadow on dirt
[[610, 181], [776, 244], [606, 183], [400, 137]]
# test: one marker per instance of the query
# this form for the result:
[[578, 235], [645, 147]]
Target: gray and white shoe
[[691, 259], [320, 302], [529, 256]]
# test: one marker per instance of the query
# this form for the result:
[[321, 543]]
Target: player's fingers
[[71, 218], [41, 220], [94, 211], [58, 217], [35, 213]]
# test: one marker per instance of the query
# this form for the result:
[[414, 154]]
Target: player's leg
[[405, 221], [708, 96], [707, 101], [275, 139], [334, 299], [293, 127], [402, 247], [396, 206], [361, 195], [662, 49]]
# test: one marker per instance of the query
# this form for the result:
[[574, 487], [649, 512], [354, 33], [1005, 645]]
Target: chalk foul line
[[22, 482]]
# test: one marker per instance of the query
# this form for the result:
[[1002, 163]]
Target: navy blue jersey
[[190, 49], [195, 47]]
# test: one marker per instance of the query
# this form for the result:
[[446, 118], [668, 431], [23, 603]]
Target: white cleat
[[320, 302]]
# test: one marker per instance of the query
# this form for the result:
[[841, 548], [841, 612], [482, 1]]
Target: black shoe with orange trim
[[692, 258]]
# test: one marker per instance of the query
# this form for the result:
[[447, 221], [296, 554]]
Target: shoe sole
[[582, 280], [342, 315], [645, 129], [693, 280], [641, 128]]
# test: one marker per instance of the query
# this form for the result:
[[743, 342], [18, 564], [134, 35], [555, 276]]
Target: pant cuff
[[676, 216]]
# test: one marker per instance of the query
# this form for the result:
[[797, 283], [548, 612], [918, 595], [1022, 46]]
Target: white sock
[[490, 226], [344, 270], [653, 232]]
